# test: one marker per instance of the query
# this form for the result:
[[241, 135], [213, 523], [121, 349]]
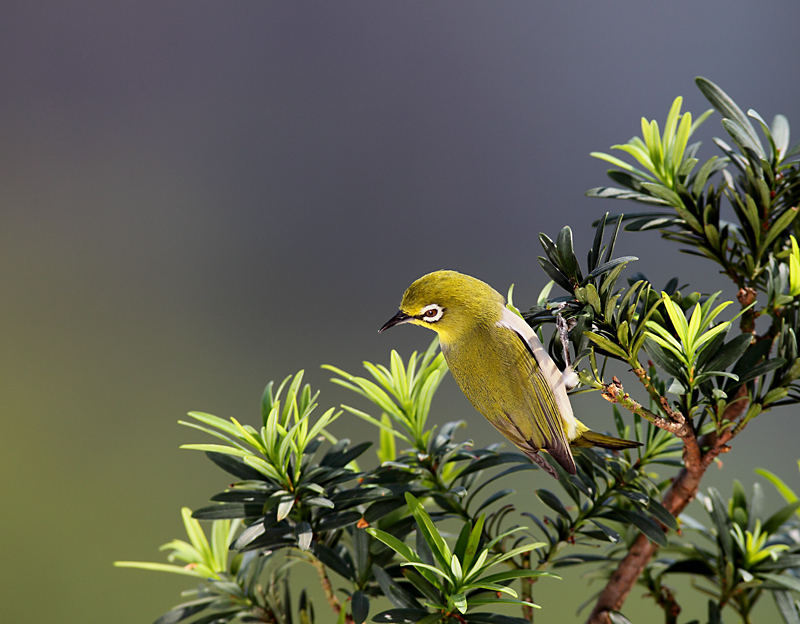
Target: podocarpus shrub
[[373, 530]]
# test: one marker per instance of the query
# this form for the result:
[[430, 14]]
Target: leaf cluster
[[301, 496], [763, 190], [741, 555], [382, 532]]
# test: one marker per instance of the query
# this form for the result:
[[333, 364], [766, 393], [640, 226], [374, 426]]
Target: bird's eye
[[431, 313]]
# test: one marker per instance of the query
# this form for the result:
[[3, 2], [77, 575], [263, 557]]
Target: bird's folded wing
[[538, 377]]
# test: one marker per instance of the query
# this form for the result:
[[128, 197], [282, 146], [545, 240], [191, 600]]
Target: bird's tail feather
[[591, 438]]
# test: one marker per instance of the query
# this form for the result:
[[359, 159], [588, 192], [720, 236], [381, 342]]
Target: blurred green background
[[198, 197]]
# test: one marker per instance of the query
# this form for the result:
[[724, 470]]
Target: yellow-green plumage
[[500, 365]]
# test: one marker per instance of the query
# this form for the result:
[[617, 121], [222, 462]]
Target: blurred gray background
[[198, 197]]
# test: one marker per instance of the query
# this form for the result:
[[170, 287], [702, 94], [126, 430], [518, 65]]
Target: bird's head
[[449, 303]]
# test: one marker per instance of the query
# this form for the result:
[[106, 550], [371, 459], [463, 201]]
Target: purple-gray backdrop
[[197, 197]]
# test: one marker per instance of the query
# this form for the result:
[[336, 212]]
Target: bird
[[501, 366]]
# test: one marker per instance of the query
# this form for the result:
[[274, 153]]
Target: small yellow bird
[[501, 366]]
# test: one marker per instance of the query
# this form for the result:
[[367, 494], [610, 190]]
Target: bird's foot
[[563, 326]]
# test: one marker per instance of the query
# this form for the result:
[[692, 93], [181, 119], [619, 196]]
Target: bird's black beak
[[400, 317]]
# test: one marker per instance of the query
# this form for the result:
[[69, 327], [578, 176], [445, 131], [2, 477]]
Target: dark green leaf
[[337, 520], [653, 223], [492, 460], [578, 483], [710, 349], [552, 501], [625, 179], [462, 541], [728, 108], [670, 197], [607, 266], [541, 526], [360, 552], [359, 495], [492, 618], [787, 606], [785, 581], [714, 614], [229, 511], [566, 253], [398, 596], [555, 274], [549, 249], [429, 531], [333, 560], [646, 525], [729, 353], [500, 475], [360, 604], [610, 534], [596, 250], [241, 496], [706, 170], [304, 606], [783, 562], [185, 610], [285, 506], [235, 466], [402, 616], [576, 558], [304, 534], [612, 241], [660, 513], [722, 524], [774, 522], [493, 498], [792, 152], [423, 549], [754, 353], [249, 534], [742, 139], [338, 458], [761, 369], [381, 508], [608, 192], [663, 359], [318, 501], [218, 616], [636, 497], [691, 566], [417, 580], [607, 345]]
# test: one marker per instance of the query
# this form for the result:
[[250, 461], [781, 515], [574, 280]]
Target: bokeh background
[[198, 197]]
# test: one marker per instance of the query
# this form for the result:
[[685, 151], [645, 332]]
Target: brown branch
[[615, 393], [666, 600], [662, 401], [681, 492]]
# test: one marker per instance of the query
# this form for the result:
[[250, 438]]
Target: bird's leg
[[562, 325]]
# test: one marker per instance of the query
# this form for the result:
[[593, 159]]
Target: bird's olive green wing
[[542, 425]]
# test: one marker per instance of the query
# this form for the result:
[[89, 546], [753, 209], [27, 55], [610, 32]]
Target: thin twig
[[327, 588], [656, 396], [615, 393], [666, 600]]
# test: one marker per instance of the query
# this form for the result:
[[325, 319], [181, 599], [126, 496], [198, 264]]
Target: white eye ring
[[431, 313]]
